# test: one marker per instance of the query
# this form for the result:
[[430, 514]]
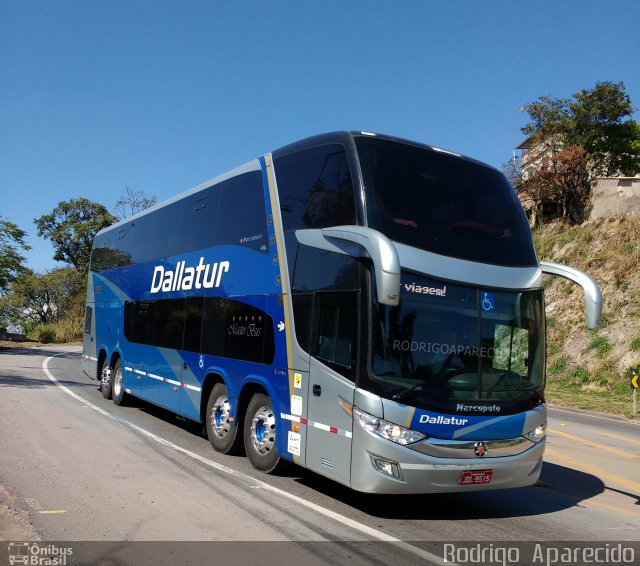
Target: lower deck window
[[209, 325]]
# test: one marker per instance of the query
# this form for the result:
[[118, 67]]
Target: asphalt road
[[85, 469]]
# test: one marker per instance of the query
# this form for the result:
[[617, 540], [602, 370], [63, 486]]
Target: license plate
[[475, 477]]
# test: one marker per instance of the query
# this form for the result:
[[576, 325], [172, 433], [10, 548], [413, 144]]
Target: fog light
[[387, 467], [538, 433]]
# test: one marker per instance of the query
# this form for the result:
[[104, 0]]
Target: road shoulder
[[14, 521]]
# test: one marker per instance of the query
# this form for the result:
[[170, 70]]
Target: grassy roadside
[[6, 344], [11, 344], [566, 394]]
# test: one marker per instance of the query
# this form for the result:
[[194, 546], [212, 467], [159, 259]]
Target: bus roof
[[342, 137], [347, 137], [253, 165]]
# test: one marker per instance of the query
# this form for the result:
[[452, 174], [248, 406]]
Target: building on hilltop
[[609, 196]]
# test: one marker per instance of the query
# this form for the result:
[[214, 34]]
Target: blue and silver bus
[[367, 307]]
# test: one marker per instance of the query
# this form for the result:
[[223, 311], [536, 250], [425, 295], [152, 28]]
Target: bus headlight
[[537, 434], [385, 429]]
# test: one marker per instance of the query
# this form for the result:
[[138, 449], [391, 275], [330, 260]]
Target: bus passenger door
[[331, 379]]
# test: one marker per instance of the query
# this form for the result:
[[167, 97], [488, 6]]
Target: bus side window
[[139, 321], [157, 235], [169, 323], [315, 188], [242, 217], [336, 324], [233, 329], [199, 214], [302, 309], [111, 251], [193, 324], [319, 271], [87, 320]]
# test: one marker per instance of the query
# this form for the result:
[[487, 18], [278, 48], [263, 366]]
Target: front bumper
[[423, 473]]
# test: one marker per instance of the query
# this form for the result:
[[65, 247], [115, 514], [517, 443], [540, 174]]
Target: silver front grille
[[441, 448]]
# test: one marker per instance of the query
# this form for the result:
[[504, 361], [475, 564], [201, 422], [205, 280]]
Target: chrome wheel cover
[[263, 431], [117, 383], [220, 415]]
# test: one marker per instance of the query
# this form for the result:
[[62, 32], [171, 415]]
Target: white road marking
[[253, 482]]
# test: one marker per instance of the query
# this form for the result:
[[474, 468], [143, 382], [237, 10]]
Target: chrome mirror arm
[[592, 293]]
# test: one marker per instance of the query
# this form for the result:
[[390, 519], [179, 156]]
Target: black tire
[[221, 431], [120, 396], [106, 382], [260, 435]]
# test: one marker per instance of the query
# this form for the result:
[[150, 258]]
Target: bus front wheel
[[222, 432], [260, 435]]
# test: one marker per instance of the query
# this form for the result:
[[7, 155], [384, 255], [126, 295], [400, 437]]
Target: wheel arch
[[209, 383], [102, 358], [115, 356], [249, 389]]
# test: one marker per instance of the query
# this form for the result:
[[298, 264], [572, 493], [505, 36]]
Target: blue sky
[[162, 95]]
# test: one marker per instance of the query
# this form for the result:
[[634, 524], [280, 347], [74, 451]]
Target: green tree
[[71, 228], [12, 242], [597, 120], [549, 117], [132, 201], [47, 306], [43, 298]]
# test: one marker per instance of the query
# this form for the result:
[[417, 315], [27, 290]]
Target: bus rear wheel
[[221, 431], [120, 396], [260, 435], [106, 376]]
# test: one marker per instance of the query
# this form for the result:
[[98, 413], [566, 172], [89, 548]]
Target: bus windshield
[[443, 204], [450, 343]]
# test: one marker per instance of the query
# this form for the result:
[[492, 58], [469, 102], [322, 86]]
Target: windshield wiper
[[538, 396], [400, 396]]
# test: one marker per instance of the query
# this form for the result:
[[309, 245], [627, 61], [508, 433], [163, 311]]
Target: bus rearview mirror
[[359, 241], [592, 293]]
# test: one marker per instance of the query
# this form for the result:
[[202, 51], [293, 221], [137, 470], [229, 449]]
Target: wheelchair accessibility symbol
[[488, 301], [201, 362]]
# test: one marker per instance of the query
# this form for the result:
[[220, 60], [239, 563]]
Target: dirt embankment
[[609, 251]]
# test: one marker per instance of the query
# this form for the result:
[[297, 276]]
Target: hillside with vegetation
[[591, 369]]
